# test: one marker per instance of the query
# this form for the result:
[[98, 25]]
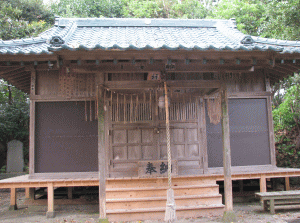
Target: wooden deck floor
[[70, 180]]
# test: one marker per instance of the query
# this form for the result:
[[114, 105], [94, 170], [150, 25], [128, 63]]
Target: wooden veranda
[[132, 185]]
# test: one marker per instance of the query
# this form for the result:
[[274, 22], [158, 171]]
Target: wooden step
[[149, 202], [161, 191], [157, 182], [159, 213]]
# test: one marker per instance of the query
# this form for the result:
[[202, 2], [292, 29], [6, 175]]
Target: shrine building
[[99, 89]]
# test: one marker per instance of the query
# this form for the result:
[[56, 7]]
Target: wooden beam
[[153, 84], [226, 150], [101, 146], [159, 65], [161, 54]]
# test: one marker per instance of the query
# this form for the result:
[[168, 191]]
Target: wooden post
[[50, 198], [70, 192], [287, 183], [229, 215], [241, 186], [27, 192], [263, 183], [101, 148], [13, 199], [32, 122], [32, 193]]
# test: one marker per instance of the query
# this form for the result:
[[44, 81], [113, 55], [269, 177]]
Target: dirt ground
[[245, 212]]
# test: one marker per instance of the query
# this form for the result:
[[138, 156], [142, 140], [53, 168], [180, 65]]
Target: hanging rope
[[170, 214], [214, 108]]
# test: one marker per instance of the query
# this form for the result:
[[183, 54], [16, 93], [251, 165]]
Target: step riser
[[162, 203], [157, 183], [160, 215], [161, 192]]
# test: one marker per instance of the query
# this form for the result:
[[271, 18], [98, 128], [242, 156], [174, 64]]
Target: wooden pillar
[[13, 199], [32, 121], [287, 183], [101, 148], [263, 183], [50, 197], [226, 151]]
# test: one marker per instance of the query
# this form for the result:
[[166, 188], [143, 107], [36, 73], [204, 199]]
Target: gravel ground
[[245, 212]]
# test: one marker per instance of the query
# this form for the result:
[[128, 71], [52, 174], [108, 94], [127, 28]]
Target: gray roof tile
[[139, 34]]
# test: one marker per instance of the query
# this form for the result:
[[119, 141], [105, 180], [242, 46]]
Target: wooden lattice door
[[140, 135]]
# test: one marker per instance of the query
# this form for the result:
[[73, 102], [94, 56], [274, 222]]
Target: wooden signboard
[[154, 76], [156, 168]]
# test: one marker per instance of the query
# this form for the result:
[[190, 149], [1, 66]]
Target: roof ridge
[[276, 42]]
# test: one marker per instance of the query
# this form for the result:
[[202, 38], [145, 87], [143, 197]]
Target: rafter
[[12, 71]]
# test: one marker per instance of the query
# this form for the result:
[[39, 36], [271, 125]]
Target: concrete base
[[50, 214], [13, 207], [103, 220], [229, 216]]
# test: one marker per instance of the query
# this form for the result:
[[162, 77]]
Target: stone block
[[15, 159]]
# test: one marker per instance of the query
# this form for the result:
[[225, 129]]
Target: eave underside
[[16, 69]]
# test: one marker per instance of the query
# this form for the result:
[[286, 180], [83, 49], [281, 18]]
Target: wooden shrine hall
[[99, 89]]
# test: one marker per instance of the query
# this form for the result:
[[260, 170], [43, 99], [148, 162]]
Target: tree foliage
[[23, 18], [88, 8], [14, 118]]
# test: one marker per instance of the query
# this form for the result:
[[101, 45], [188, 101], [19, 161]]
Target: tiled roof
[[140, 34]]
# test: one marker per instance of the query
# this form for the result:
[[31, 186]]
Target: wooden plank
[[101, 146], [287, 183], [31, 137], [226, 150]]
